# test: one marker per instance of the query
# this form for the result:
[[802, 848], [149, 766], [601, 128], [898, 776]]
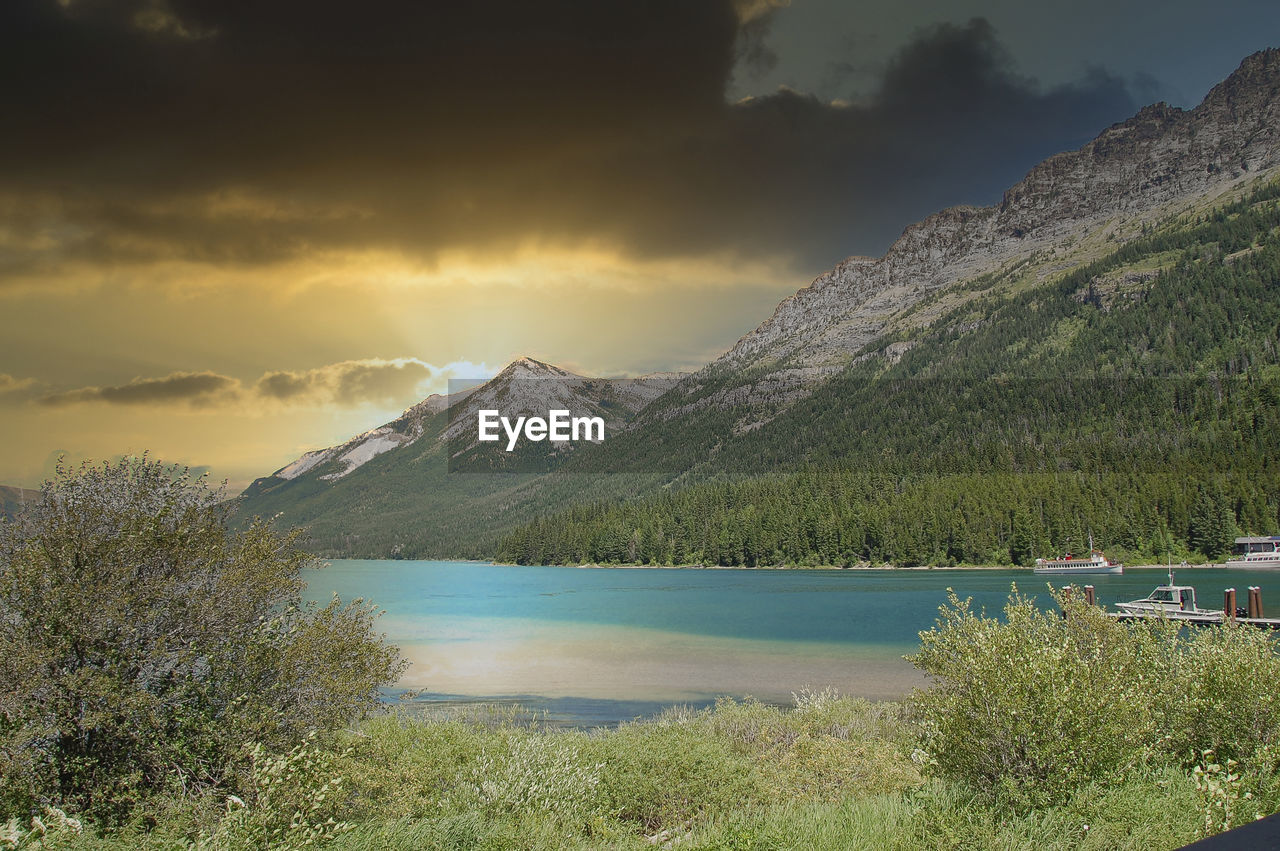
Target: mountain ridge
[[1207, 150]]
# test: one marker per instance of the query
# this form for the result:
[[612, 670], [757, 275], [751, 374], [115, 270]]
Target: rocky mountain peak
[[526, 386], [1254, 84], [527, 367]]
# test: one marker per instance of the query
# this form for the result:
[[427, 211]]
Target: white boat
[[1255, 554], [1070, 565], [1171, 601]]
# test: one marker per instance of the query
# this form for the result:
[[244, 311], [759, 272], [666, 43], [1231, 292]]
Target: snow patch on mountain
[[306, 463], [368, 446]]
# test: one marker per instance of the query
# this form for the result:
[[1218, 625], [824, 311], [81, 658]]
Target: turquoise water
[[602, 645]]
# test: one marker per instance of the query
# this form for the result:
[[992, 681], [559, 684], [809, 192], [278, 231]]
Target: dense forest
[[843, 517], [1135, 399]]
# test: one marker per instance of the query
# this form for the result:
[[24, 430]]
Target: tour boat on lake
[[1255, 554], [1070, 565]]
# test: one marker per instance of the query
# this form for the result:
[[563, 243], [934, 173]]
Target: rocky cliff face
[[1131, 172]]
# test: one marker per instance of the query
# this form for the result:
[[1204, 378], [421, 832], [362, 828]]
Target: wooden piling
[[1229, 605], [1255, 603], [1260, 615], [1088, 594]]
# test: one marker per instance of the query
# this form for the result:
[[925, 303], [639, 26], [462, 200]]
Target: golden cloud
[[9, 384], [346, 384]]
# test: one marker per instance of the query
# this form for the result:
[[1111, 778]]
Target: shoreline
[[855, 567]]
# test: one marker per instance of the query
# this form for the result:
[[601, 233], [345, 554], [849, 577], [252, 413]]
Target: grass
[[831, 773]]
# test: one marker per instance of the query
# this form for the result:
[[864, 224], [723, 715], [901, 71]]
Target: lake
[[599, 645]]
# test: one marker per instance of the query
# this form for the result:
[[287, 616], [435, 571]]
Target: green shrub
[[1222, 693], [824, 749], [669, 773], [1039, 704], [1148, 809], [1036, 704], [292, 803], [142, 643], [404, 767], [543, 774]]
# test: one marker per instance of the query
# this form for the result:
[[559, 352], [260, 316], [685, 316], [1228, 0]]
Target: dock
[[1196, 620], [1229, 614]]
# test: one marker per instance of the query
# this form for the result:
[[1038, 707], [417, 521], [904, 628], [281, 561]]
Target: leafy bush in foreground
[[142, 643], [1040, 703]]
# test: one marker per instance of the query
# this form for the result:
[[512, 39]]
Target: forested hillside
[[1136, 398]]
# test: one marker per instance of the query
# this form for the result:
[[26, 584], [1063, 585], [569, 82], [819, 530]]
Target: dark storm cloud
[[421, 127], [193, 388]]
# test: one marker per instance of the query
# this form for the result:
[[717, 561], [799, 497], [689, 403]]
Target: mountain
[[1134, 400], [1111, 320], [422, 484], [406, 429], [525, 387]]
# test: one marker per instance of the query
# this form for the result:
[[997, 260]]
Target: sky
[[231, 232]]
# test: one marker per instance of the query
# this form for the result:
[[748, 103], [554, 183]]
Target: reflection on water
[[601, 645], [626, 663]]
